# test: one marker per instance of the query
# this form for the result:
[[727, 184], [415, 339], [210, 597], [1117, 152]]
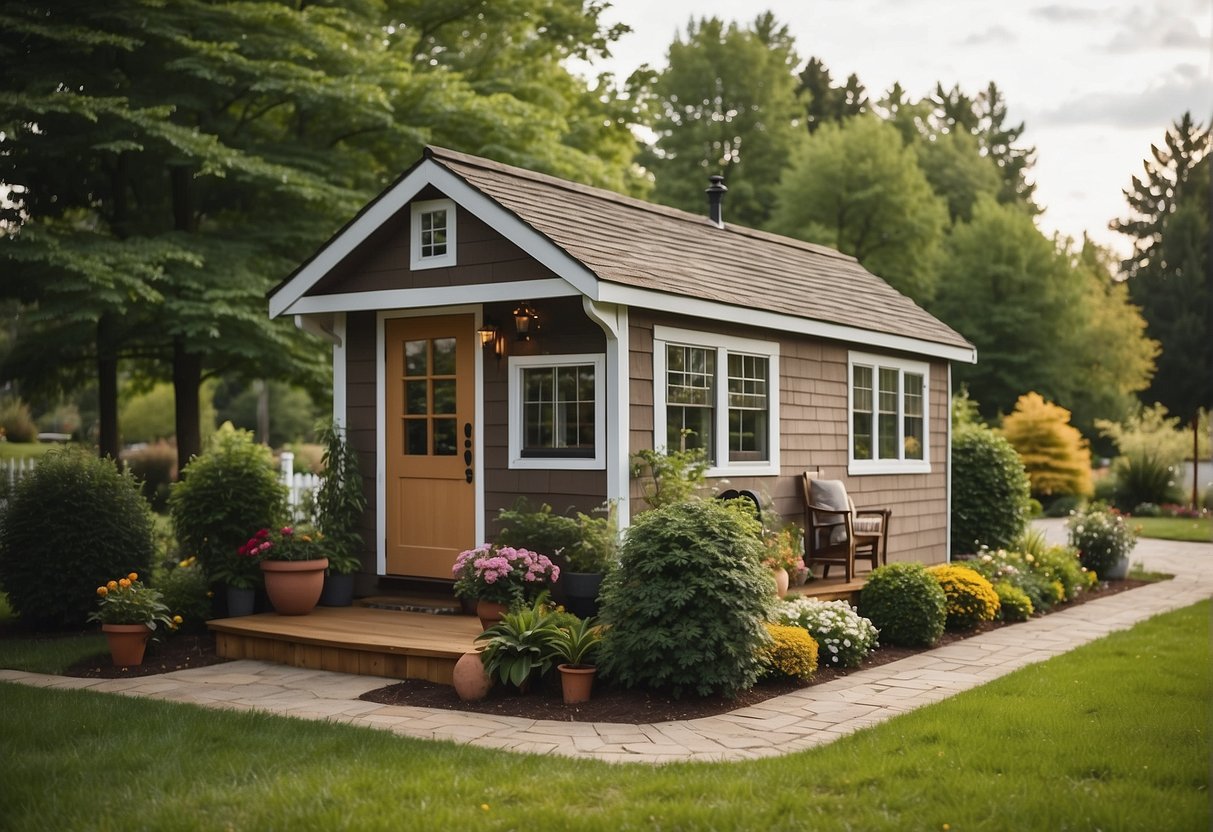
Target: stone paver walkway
[[781, 725]]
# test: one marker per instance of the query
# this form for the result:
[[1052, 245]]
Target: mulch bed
[[609, 703]]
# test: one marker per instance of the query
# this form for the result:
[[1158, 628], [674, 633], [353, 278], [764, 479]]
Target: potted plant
[[129, 612], [240, 573], [500, 577], [340, 504], [292, 563], [516, 648], [1103, 540], [573, 647], [781, 557]]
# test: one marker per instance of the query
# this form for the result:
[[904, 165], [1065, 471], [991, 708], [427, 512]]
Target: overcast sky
[[1095, 82]]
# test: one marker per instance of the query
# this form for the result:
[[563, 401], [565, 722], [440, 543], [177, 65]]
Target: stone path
[[781, 725]]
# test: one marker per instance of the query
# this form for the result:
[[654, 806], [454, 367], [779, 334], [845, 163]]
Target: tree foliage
[[1054, 453]]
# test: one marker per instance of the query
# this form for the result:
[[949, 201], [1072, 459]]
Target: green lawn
[[49, 654], [1113, 735], [1175, 528], [21, 450]]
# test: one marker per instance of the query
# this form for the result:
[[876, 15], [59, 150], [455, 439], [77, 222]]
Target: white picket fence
[[301, 488], [12, 470]]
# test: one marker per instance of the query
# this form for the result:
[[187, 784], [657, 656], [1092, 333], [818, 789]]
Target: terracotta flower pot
[[127, 643], [782, 579], [490, 612], [470, 680], [294, 586], [576, 682]]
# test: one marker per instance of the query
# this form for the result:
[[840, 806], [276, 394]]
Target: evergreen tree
[[1054, 453], [825, 102]]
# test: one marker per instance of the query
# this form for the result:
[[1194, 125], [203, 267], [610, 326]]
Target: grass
[[1113, 735], [23, 450], [49, 654], [1197, 530]]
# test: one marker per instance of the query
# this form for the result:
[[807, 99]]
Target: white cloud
[[1162, 102], [994, 35], [1059, 13], [1164, 28]]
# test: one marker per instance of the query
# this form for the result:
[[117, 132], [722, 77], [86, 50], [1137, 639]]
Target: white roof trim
[[717, 311], [431, 172], [434, 296]]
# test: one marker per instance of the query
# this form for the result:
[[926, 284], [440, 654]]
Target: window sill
[[888, 466], [557, 464], [743, 469]]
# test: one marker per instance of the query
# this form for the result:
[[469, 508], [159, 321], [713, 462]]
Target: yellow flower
[[134, 576], [112, 585], [178, 619], [124, 583], [102, 591]]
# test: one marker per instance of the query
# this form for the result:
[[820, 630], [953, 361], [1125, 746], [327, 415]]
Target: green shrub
[[684, 607], [1014, 603], [580, 544], [340, 502], [155, 466], [186, 592], [1143, 477], [1102, 538], [844, 637], [906, 604], [225, 495], [989, 491], [971, 598], [16, 424], [669, 478], [1063, 505], [791, 653], [70, 525], [1019, 570], [1060, 565]]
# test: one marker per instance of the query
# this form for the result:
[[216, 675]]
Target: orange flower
[[102, 591], [124, 583], [134, 576], [112, 585]]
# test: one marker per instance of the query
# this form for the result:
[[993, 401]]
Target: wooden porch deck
[[393, 643]]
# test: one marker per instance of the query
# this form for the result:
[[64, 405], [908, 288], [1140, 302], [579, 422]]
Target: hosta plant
[[518, 648], [845, 638]]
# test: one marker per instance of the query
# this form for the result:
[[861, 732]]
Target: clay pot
[[490, 612], [127, 643], [576, 682], [472, 682], [782, 579], [294, 586]]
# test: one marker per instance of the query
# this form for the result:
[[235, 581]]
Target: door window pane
[[445, 443], [416, 361], [444, 357], [444, 396], [415, 437], [414, 398]]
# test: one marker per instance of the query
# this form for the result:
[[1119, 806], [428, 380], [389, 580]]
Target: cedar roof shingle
[[635, 243]]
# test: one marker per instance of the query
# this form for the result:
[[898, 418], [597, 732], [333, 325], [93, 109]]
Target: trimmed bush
[[971, 598], [685, 606], [844, 636], [1014, 603], [906, 604], [155, 466], [16, 424], [1054, 453], [70, 525], [224, 496], [990, 497], [791, 653], [1102, 538]]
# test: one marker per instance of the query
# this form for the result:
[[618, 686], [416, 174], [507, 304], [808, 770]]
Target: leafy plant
[[845, 638], [186, 590], [576, 643], [519, 646], [905, 604], [684, 608], [503, 574], [287, 543], [583, 543], [791, 652], [1102, 538], [340, 502], [225, 492], [669, 478], [971, 598], [71, 523], [127, 600], [1013, 603], [990, 491]]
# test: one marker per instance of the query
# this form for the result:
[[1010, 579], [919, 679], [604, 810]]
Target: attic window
[[433, 234]]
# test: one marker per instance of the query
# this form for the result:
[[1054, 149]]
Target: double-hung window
[[432, 241], [557, 415], [888, 429], [718, 393]]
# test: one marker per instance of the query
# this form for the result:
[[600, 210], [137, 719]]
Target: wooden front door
[[430, 402]]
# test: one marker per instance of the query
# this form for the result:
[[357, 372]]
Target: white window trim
[[416, 261], [860, 467], [517, 461], [664, 335]]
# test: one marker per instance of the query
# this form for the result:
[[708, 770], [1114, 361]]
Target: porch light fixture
[[488, 335], [525, 319]]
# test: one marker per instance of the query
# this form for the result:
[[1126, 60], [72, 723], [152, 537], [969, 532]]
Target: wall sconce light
[[525, 320], [488, 335]]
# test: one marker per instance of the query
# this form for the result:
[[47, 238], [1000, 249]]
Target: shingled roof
[[654, 255], [639, 244]]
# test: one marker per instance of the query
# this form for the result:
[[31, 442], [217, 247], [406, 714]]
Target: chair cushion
[[867, 525], [831, 494]]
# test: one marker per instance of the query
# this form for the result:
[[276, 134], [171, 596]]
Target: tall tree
[[1170, 272], [826, 102], [858, 187], [725, 104]]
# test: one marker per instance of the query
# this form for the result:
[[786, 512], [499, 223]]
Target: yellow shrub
[[792, 652], [1054, 453], [971, 598]]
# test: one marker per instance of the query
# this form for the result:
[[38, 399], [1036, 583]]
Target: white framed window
[[432, 243], [719, 393], [887, 403], [557, 417]]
